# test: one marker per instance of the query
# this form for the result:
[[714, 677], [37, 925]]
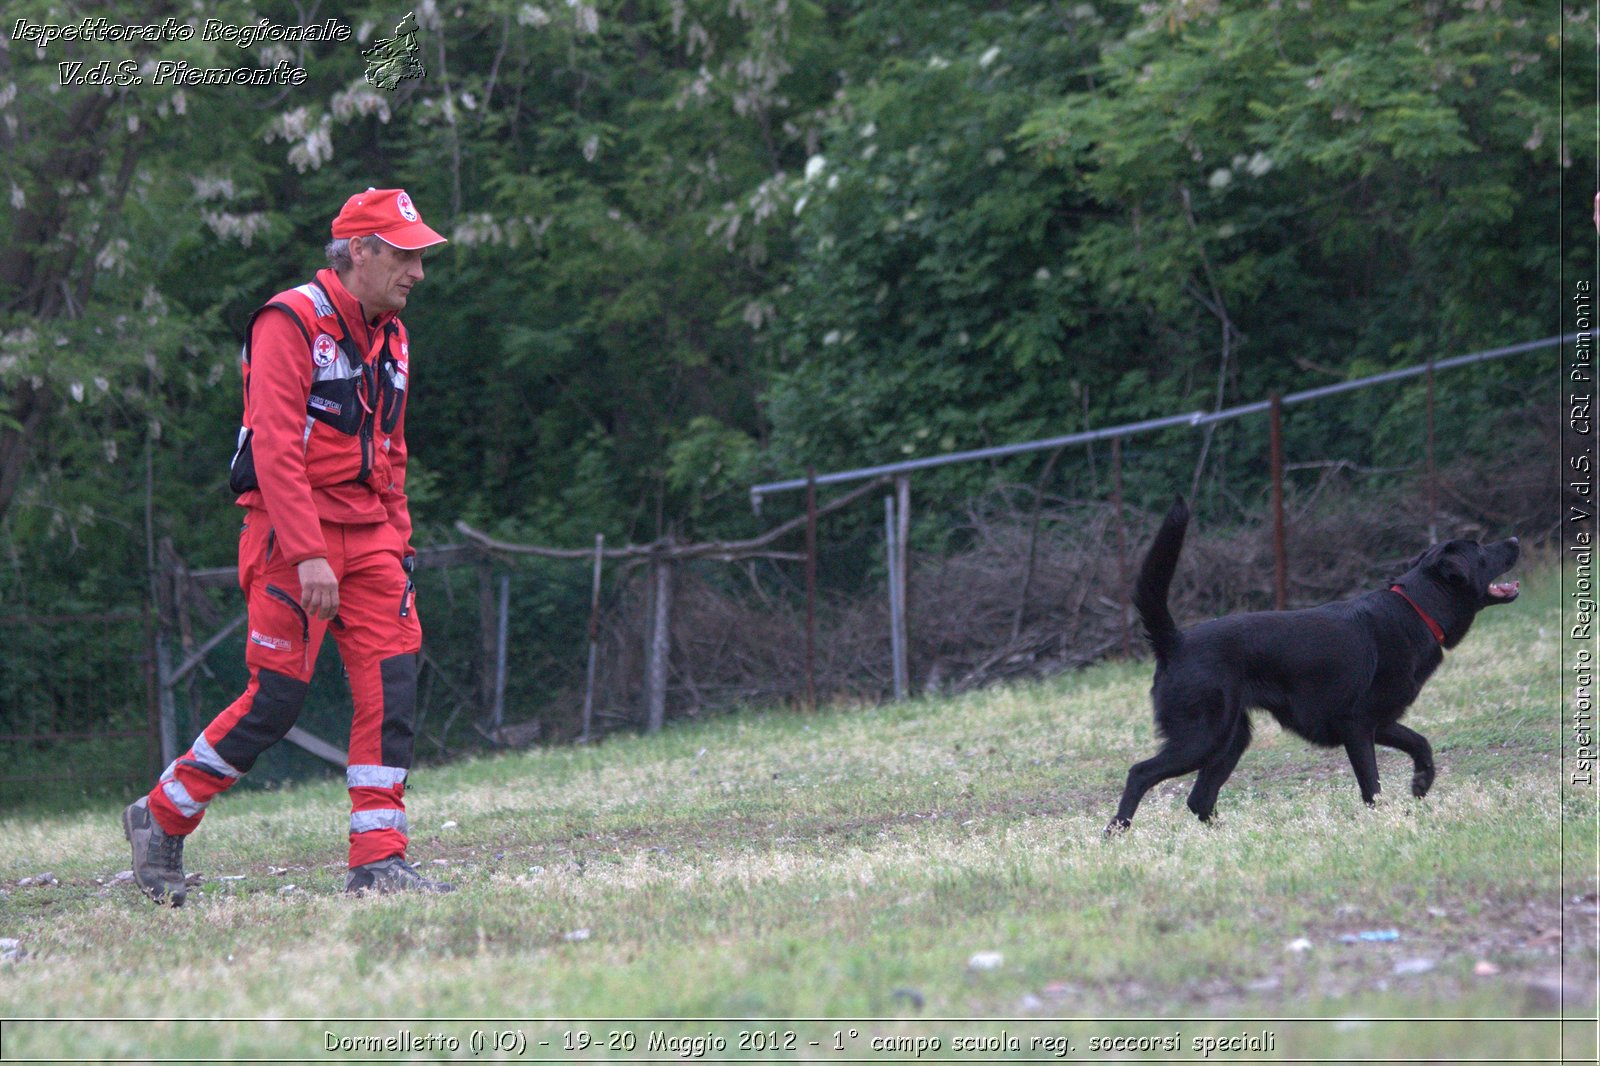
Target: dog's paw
[[1421, 781], [1116, 827]]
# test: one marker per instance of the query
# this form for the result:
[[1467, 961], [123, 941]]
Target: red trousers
[[379, 637]]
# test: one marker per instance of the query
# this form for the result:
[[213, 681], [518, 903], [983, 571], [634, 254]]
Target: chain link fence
[[76, 705]]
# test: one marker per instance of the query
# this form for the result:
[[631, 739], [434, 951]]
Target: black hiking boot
[[157, 857]]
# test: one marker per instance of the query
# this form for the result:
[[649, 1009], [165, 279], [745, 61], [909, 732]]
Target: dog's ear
[[1452, 566], [1410, 564]]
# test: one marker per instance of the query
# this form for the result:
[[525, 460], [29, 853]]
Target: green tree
[[933, 304], [1100, 213]]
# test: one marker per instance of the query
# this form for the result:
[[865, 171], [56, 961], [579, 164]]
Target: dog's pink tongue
[[1505, 588]]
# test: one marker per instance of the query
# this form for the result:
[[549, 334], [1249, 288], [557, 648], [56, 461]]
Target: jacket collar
[[350, 308]]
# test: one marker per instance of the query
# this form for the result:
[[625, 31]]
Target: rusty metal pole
[[1280, 581], [811, 588], [1122, 543]]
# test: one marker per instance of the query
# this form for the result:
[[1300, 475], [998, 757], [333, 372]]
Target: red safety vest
[[322, 438]]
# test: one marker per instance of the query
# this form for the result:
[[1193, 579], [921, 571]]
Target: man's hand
[[319, 589]]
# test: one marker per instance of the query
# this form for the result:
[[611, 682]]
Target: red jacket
[[323, 437]]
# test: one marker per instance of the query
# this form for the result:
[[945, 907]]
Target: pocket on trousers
[[280, 632], [274, 592]]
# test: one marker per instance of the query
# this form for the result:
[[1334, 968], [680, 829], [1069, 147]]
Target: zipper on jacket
[[369, 416], [406, 597]]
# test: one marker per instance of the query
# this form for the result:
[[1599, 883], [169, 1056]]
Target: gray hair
[[338, 250]]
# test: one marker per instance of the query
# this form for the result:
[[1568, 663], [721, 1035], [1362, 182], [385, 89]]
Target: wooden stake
[[660, 647]]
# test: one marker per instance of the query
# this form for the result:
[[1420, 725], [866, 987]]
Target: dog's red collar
[[1433, 627]]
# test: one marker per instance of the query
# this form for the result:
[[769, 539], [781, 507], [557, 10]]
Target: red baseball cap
[[387, 213]]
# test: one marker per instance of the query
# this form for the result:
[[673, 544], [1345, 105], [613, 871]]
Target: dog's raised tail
[[1155, 578]]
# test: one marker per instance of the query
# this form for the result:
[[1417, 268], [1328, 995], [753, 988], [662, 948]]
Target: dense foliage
[[696, 243]]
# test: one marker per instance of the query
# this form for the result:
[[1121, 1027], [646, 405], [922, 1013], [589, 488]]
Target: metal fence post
[[1433, 480], [1280, 554], [902, 486], [487, 637], [497, 716], [594, 638], [897, 637], [1122, 544], [811, 589]]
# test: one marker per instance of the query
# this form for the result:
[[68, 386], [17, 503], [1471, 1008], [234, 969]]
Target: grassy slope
[[849, 865]]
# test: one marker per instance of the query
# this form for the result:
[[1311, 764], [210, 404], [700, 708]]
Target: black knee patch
[[271, 715], [399, 675]]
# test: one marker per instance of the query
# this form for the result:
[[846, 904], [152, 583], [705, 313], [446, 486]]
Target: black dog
[[1340, 674]]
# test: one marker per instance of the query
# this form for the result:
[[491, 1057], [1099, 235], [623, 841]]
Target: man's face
[[382, 279]]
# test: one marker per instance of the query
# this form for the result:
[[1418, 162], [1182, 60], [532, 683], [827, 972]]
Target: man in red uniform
[[320, 470]]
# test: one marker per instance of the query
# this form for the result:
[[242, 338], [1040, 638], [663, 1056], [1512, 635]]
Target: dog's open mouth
[[1505, 590]]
